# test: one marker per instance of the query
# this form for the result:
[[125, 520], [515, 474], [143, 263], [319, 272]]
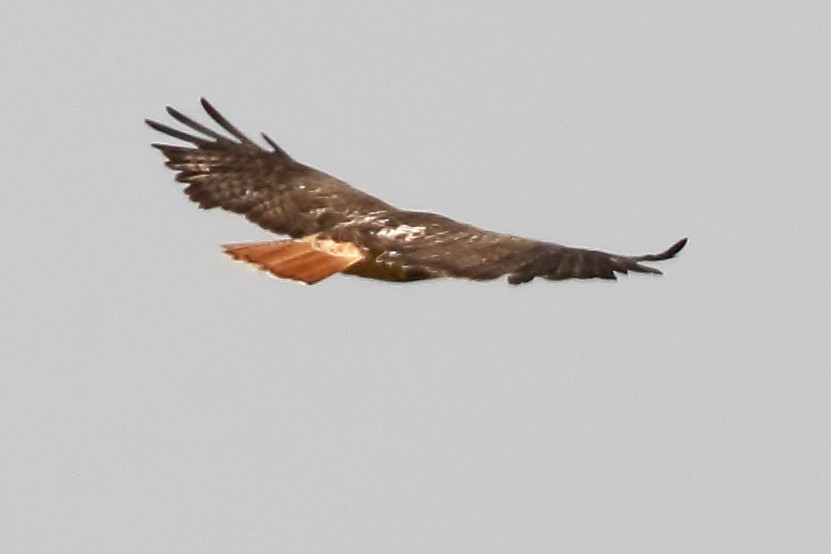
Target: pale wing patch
[[405, 232], [309, 259]]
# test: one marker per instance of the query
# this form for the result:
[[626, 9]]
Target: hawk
[[336, 228]]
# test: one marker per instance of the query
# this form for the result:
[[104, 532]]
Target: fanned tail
[[309, 259]]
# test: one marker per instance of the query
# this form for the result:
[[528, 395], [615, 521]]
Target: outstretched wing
[[417, 245], [557, 262], [267, 186]]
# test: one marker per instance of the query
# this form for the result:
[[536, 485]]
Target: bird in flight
[[336, 228]]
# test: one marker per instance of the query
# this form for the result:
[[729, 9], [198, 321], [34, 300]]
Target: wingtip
[[153, 124], [677, 247], [275, 147], [665, 255], [649, 269], [669, 252]]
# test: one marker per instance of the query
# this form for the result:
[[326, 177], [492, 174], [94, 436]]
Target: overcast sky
[[157, 397]]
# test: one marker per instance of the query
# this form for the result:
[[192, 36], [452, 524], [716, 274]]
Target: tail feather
[[309, 259]]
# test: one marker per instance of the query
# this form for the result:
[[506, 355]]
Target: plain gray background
[[156, 397]]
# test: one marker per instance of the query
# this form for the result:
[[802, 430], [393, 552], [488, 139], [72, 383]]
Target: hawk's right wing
[[420, 245]]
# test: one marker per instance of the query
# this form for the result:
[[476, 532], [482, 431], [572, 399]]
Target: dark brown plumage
[[337, 228]]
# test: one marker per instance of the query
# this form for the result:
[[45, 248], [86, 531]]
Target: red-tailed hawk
[[337, 228]]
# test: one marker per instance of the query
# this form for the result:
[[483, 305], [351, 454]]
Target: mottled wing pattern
[[422, 245], [267, 186]]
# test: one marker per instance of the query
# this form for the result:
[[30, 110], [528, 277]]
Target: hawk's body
[[337, 228]]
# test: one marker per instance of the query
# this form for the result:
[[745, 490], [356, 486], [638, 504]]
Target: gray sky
[[156, 397]]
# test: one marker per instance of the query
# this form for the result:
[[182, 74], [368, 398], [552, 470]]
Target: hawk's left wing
[[267, 186]]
